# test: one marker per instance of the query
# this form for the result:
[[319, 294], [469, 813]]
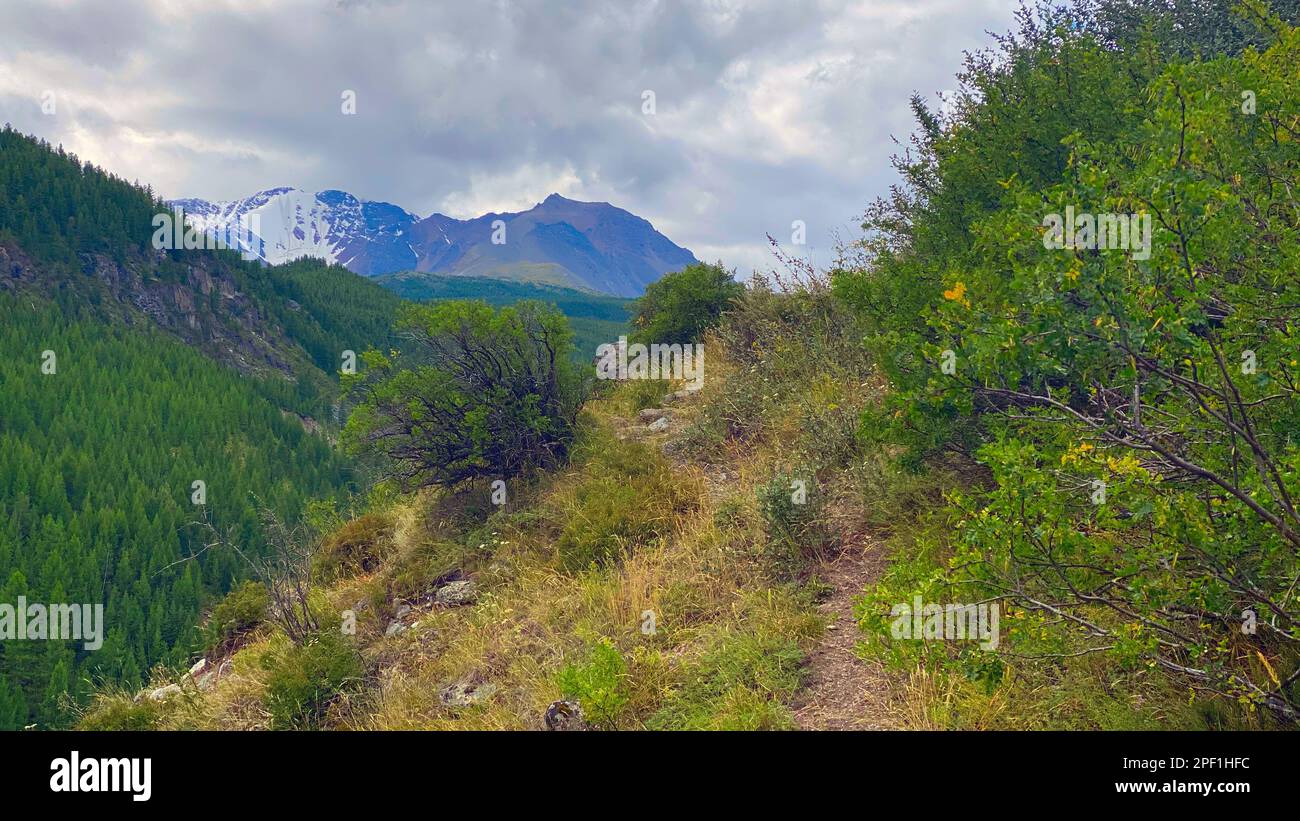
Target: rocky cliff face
[[201, 303]]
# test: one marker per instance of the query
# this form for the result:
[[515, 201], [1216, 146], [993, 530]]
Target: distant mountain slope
[[421, 287], [72, 232], [584, 245], [595, 318]]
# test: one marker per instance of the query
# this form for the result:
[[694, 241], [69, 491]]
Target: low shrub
[[240, 611], [599, 684], [356, 547], [305, 680], [791, 506], [627, 496], [477, 393], [119, 711]]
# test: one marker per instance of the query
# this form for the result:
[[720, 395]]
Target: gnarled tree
[[475, 393]]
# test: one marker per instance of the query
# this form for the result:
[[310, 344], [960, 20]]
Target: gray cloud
[[766, 111]]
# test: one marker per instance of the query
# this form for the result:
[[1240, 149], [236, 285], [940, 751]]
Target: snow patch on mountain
[[367, 237]]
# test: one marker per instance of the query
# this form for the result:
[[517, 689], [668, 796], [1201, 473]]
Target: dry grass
[[577, 560], [535, 615]]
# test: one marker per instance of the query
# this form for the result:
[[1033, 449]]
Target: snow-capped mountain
[[590, 245], [368, 237]]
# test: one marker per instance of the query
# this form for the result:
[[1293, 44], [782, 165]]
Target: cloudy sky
[[764, 112]]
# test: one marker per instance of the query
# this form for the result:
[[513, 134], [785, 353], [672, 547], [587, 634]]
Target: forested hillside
[[79, 235], [57, 207], [327, 309], [98, 461], [111, 411]]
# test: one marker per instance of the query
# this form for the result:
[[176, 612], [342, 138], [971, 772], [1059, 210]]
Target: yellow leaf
[[1271, 672], [957, 294]]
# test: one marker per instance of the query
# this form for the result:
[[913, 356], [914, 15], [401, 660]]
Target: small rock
[[395, 628], [199, 667], [402, 609], [206, 681], [648, 415], [456, 594], [564, 716], [164, 692], [658, 425], [466, 695]]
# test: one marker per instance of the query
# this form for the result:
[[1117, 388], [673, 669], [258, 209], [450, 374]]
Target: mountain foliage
[[680, 306], [1134, 407], [1096, 438]]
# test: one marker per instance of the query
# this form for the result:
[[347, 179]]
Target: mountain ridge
[[592, 246]]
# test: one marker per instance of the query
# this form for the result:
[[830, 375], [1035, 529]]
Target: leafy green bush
[[599, 684], [681, 306], [307, 679], [241, 610], [1135, 405]]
